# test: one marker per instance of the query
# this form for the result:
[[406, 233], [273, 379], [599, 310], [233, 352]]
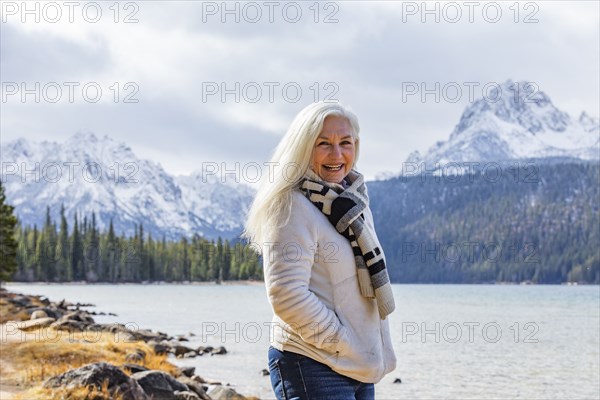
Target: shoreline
[[50, 331], [262, 283], [161, 283]]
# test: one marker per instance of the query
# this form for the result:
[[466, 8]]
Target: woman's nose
[[336, 150]]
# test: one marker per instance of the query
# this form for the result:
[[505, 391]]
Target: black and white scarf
[[344, 207]]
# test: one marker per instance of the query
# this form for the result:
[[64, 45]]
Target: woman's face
[[333, 154]]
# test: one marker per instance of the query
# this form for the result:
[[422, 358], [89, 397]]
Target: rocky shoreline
[[132, 379]]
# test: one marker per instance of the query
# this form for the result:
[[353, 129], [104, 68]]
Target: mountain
[[516, 121], [472, 229], [91, 174]]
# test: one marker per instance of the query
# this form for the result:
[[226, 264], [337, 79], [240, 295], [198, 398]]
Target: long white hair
[[291, 159]]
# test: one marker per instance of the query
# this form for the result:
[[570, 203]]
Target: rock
[[80, 316], [95, 375], [147, 335], [190, 354], [51, 312], [209, 381], [224, 393], [203, 349], [159, 348], [199, 379], [39, 314], [135, 368], [35, 324], [112, 328], [74, 321], [397, 380], [185, 395], [158, 384], [69, 325], [121, 333], [180, 350], [20, 301], [186, 371], [181, 338], [194, 387], [141, 352], [134, 357], [265, 372], [218, 350]]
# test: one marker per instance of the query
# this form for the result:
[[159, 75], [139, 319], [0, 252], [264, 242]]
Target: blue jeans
[[297, 377]]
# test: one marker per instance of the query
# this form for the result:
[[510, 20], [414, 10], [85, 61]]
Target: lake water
[[451, 341]]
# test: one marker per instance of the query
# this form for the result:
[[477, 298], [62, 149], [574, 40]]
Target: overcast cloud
[[177, 50]]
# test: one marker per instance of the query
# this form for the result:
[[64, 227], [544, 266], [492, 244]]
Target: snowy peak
[[520, 103], [515, 120], [89, 174]]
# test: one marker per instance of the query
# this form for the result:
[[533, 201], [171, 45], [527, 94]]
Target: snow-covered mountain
[[90, 174], [516, 121]]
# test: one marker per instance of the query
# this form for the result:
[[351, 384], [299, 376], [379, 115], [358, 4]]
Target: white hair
[[271, 207]]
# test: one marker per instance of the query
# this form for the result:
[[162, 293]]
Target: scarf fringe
[[385, 303], [365, 284]]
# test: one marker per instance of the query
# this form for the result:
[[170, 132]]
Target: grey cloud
[[40, 56]]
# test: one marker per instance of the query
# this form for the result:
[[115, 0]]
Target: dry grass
[[90, 393], [51, 354]]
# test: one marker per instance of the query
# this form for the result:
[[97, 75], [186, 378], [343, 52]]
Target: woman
[[324, 269]]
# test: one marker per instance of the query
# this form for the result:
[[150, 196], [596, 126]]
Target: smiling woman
[[334, 151], [330, 334]]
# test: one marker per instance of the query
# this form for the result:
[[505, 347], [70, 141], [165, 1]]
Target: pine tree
[[77, 252], [64, 267], [8, 244]]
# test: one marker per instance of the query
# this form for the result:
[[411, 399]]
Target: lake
[[451, 341]]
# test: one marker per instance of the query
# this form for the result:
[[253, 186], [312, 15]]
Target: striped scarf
[[343, 207]]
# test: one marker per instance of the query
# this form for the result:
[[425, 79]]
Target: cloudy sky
[[189, 82]]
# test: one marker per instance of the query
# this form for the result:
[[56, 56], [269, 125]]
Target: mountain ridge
[[89, 174], [512, 127]]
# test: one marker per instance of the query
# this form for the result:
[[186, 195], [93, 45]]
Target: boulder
[[194, 387], [218, 350], [51, 312], [80, 316], [200, 379], [158, 384], [20, 301], [224, 393], [185, 395], [265, 372], [119, 384], [147, 335], [186, 371], [204, 349], [134, 368], [134, 357], [180, 350], [69, 325], [35, 324], [39, 314], [159, 348]]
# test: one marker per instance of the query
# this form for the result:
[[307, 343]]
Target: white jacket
[[312, 285]]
